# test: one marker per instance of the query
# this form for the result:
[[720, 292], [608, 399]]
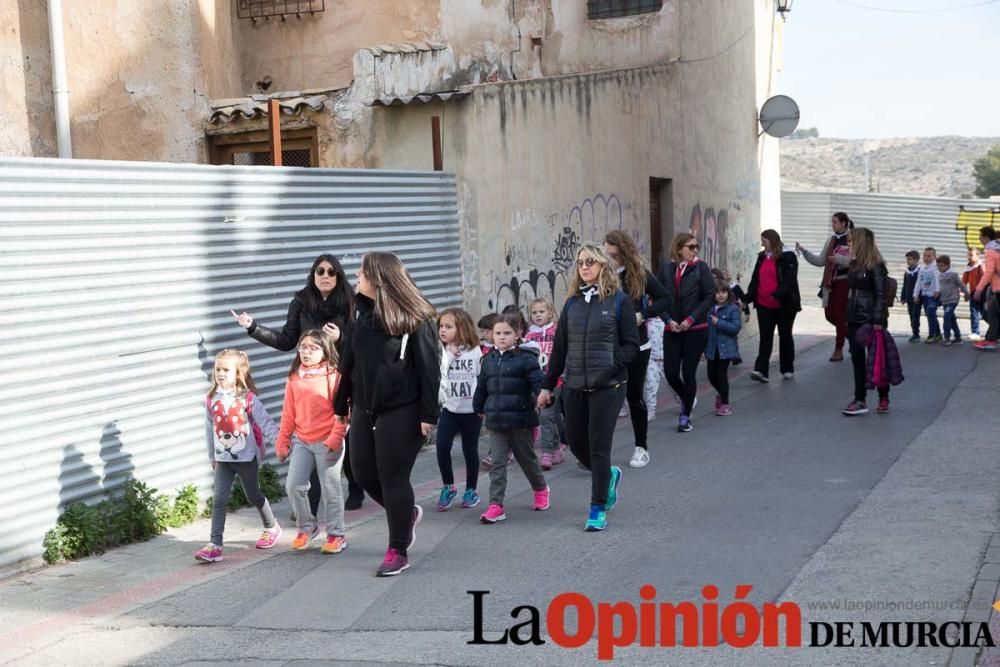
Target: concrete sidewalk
[[921, 532]]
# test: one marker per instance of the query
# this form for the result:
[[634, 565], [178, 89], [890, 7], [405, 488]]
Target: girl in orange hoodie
[[315, 440]]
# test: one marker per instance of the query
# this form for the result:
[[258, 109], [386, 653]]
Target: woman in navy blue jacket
[[691, 289]]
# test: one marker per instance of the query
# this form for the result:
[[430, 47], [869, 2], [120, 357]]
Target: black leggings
[[768, 319], [681, 354], [858, 359], [635, 394], [451, 424], [316, 491], [382, 456], [718, 376], [590, 428]]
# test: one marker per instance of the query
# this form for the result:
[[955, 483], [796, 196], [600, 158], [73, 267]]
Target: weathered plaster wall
[[140, 75], [316, 51], [27, 127]]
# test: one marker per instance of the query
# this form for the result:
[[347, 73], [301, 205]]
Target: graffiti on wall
[[535, 266], [969, 222], [710, 228]]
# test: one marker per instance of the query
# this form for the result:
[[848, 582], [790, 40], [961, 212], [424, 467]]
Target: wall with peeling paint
[[140, 76]]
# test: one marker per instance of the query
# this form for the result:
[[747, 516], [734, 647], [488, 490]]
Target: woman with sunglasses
[[326, 303], [596, 340], [691, 291]]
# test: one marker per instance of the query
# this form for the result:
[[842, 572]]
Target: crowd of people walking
[[377, 368]]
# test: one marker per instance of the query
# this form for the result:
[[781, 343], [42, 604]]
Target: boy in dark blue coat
[[508, 386]]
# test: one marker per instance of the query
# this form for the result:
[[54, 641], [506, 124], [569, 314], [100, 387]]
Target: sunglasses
[[320, 271], [588, 262], [692, 246]]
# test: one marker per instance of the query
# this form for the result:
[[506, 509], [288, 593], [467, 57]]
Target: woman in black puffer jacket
[[326, 303], [596, 340], [691, 290], [867, 280]]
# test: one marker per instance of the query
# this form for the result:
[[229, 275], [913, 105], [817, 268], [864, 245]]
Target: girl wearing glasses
[[649, 299], [596, 340], [315, 440], [691, 290], [391, 368], [326, 303]]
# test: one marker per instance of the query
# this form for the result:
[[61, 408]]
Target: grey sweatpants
[[521, 441], [328, 464], [225, 473]]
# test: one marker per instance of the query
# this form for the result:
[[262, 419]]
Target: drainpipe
[[60, 89]]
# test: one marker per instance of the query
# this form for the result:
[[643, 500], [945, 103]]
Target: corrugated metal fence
[[116, 281], [900, 223]]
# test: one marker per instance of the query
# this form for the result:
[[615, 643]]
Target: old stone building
[[560, 118]]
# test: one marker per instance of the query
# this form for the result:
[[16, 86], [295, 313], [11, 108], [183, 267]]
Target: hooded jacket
[[787, 292], [308, 411], [381, 372], [991, 268], [508, 385]]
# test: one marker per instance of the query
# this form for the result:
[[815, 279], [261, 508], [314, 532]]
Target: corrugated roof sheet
[[443, 96], [411, 47], [228, 110]]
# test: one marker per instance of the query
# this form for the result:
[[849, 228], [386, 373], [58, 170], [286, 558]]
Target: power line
[[857, 5], [728, 48]]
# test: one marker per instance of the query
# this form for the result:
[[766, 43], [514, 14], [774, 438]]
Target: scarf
[[830, 269], [588, 292]]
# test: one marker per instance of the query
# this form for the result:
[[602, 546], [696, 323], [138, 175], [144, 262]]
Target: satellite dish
[[779, 116]]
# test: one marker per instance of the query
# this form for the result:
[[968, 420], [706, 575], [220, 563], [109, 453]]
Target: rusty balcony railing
[[267, 9]]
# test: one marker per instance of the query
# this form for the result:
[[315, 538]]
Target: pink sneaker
[[542, 500], [269, 537], [493, 514], [723, 410], [546, 461], [557, 456], [209, 554]]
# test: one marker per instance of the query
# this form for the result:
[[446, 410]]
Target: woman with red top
[[774, 292], [690, 293], [834, 260]]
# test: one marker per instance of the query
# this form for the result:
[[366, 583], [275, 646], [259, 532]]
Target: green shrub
[[135, 514]]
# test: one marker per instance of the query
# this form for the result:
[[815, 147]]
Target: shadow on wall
[[118, 466], [79, 480]]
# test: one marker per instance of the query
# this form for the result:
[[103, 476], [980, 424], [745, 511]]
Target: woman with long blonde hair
[[867, 281], [691, 289], [391, 370], [649, 299], [596, 340]]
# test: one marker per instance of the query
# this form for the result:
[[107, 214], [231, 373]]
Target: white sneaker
[[788, 376], [623, 412], [651, 416], [640, 459], [975, 337]]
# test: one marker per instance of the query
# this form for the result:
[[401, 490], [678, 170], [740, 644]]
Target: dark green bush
[[135, 514]]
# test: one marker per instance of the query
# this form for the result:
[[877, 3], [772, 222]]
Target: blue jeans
[[975, 317], [930, 310], [914, 310], [951, 322]]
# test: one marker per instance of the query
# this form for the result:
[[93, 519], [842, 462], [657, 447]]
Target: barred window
[[606, 9]]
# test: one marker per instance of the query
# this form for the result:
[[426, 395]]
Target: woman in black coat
[[649, 299], [774, 292], [691, 291], [326, 303]]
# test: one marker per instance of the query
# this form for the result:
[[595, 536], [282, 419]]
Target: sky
[[862, 73]]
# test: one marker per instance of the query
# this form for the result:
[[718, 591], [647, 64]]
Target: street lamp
[[783, 6]]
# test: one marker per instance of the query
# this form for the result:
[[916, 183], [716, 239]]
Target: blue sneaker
[[470, 499], [684, 424], [447, 497], [598, 519], [616, 479]]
